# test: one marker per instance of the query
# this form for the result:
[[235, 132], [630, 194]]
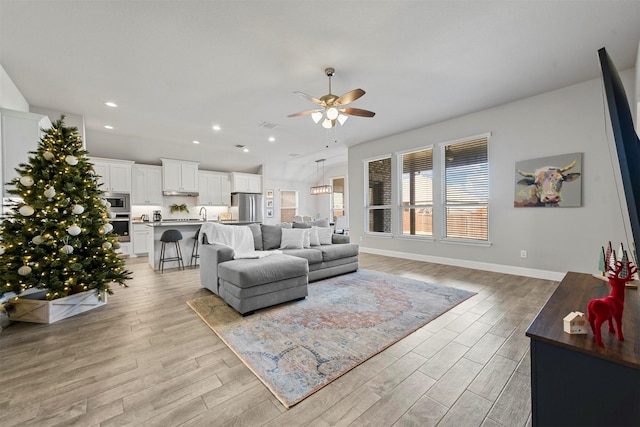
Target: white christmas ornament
[[37, 240], [26, 180], [73, 230], [66, 249], [1, 249], [112, 215], [116, 245], [49, 192], [108, 227], [26, 210], [107, 245], [24, 270], [48, 155], [103, 202], [71, 160], [77, 209]]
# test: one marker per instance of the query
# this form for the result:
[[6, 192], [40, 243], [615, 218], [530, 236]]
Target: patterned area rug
[[298, 348]]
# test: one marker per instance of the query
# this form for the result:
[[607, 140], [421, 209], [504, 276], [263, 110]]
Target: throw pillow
[[271, 235], [324, 222], [307, 238], [292, 238], [257, 236], [301, 225], [324, 234], [314, 240]]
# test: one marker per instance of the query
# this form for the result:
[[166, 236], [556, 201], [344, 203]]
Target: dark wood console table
[[573, 381]]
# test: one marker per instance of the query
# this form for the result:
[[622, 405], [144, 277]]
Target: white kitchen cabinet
[[140, 237], [146, 185], [179, 175], [20, 133], [214, 189], [114, 176], [246, 183]]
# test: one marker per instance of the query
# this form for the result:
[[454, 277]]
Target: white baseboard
[[497, 268]]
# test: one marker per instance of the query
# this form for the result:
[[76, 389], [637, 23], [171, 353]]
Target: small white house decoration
[[575, 323]]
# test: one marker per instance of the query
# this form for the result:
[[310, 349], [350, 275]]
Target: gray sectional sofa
[[251, 284]]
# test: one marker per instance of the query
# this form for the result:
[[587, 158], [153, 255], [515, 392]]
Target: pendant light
[[320, 189]]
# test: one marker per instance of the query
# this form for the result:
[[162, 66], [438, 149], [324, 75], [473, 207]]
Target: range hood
[[181, 193]]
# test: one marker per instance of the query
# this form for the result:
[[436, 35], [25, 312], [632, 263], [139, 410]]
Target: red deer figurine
[[612, 306]]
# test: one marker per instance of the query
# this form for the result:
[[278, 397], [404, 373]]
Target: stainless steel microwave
[[119, 202]]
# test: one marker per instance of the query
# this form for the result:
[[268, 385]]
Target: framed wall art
[[269, 194], [554, 181]]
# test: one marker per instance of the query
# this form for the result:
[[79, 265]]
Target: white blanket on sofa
[[237, 237]]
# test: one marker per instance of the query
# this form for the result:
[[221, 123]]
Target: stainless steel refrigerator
[[250, 206]]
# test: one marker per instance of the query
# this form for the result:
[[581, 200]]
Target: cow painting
[[543, 185]]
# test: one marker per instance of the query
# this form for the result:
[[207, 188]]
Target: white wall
[[558, 240], [10, 96]]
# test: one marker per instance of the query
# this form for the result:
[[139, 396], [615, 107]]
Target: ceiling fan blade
[[303, 113], [309, 97], [357, 112], [349, 97]]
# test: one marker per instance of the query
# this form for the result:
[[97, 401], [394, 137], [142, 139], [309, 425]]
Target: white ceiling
[[178, 67]]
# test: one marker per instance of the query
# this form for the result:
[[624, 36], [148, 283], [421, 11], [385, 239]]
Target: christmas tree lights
[[58, 237]]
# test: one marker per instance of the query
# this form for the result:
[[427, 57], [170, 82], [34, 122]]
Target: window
[[466, 190], [416, 209], [288, 205], [337, 198], [378, 202]]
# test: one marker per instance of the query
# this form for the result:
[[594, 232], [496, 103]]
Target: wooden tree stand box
[[34, 308]]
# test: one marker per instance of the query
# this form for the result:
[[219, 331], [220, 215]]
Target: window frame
[[399, 191], [443, 199], [368, 208], [297, 203]]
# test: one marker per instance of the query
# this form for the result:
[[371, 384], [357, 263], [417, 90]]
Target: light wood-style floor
[[146, 359]]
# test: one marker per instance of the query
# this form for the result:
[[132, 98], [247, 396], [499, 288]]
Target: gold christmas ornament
[[48, 155], [66, 249], [71, 160], [73, 230], [26, 210], [107, 245], [24, 270], [26, 180], [49, 192], [37, 240]]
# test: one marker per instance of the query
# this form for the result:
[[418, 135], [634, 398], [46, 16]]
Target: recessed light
[[271, 139], [196, 142], [110, 104], [246, 150], [216, 127], [108, 127]]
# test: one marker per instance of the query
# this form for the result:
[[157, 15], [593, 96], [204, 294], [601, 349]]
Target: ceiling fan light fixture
[[342, 118], [317, 116], [332, 113], [327, 124]]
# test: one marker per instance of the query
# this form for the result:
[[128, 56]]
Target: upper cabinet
[[20, 133], [179, 176], [114, 176], [214, 189], [245, 183], [146, 185]]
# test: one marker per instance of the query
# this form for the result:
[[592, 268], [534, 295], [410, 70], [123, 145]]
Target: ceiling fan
[[332, 106]]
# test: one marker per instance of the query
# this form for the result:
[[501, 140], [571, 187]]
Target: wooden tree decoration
[[611, 307]]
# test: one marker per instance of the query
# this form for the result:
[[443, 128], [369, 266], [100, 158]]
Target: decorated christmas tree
[[59, 237]]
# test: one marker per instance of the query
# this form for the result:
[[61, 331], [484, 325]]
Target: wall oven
[[121, 227], [119, 202]]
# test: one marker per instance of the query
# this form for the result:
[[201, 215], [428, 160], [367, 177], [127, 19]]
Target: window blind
[[466, 190], [417, 192], [379, 195]]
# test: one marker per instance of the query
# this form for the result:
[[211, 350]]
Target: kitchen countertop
[[190, 222]]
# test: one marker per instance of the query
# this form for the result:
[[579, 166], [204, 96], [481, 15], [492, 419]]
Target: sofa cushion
[[313, 256], [257, 236], [292, 238], [324, 234], [332, 252], [245, 273], [302, 225], [314, 240], [272, 234]]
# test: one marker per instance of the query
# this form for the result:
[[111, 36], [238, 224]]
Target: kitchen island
[[188, 228]]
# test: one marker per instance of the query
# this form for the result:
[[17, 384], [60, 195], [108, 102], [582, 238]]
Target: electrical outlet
[[523, 253]]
